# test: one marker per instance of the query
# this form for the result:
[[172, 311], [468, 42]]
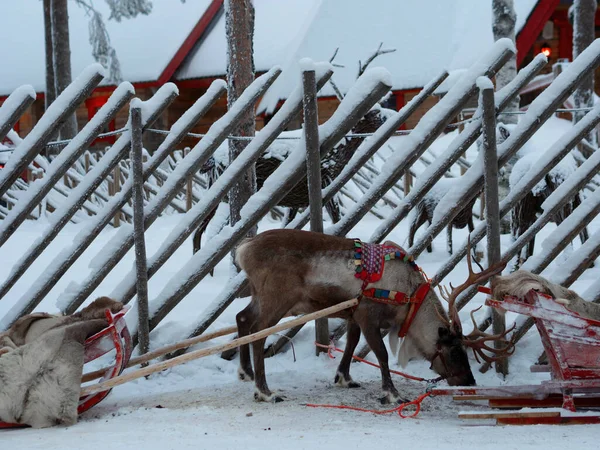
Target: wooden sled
[[572, 344], [114, 337]]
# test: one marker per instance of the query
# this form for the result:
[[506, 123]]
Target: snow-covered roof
[[278, 25], [429, 35], [145, 45]]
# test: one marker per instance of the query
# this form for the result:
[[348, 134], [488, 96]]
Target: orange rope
[[416, 402], [331, 348]]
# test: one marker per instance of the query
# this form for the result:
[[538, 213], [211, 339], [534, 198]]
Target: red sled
[[572, 345], [114, 337]]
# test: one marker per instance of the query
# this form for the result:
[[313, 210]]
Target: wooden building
[[185, 43]]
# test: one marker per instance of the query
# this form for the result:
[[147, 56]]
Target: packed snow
[[202, 405]]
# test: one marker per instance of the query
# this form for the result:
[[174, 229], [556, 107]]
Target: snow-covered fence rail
[[433, 123], [57, 113], [456, 148], [67, 157], [187, 167], [362, 96], [175, 187], [14, 107], [79, 195], [219, 189], [539, 111], [550, 158], [553, 204]]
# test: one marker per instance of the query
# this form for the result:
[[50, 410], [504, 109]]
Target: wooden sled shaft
[[158, 367], [164, 350]]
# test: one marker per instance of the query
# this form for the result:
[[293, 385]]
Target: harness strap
[[419, 296], [400, 298], [369, 261]]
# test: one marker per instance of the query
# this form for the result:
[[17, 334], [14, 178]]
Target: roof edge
[[189, 43], [533, 27]]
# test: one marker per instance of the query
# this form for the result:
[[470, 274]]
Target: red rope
[[416, 402]]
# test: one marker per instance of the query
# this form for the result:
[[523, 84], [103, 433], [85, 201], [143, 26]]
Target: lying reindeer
[[519, 283], [298, 272]]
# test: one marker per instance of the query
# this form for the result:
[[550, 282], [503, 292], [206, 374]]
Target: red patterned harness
[[369, 260]]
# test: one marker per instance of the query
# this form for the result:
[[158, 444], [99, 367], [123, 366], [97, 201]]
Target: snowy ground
[[202, 405]]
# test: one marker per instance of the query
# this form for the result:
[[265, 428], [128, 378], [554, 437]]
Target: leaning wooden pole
[[492, 208], [171, 348], [141, 266], [14, 107], [313, 171], [540, 110], [35, 141], [109, 384]]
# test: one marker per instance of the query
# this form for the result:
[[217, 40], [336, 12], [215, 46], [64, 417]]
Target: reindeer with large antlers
[[297, 272]]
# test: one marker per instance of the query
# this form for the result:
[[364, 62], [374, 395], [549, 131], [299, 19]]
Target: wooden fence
[[180, 189]]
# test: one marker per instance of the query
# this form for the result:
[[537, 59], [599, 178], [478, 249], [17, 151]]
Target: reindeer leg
[[430, 245], [419, 219], [342, 376], [246, 320], [449, 238], [262, 392], [292, 212], [530, 247], [268, 318], [375, 341], [196, 240], [333, 209]]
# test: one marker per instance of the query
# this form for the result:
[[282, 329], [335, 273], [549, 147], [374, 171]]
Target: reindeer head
[[451, 359]]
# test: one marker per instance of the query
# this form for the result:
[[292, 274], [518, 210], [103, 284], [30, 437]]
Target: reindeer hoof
[[342, 381], [271, 398], [390, 398], [245, 376]]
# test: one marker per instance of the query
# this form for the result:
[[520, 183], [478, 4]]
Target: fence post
[[492, 208], [138, 227], [313, 170]]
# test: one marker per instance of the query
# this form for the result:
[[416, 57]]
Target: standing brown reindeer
[[297, 272], [425, 208]]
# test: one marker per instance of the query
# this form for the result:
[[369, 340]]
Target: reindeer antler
[[472, 279], [477, 340]]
